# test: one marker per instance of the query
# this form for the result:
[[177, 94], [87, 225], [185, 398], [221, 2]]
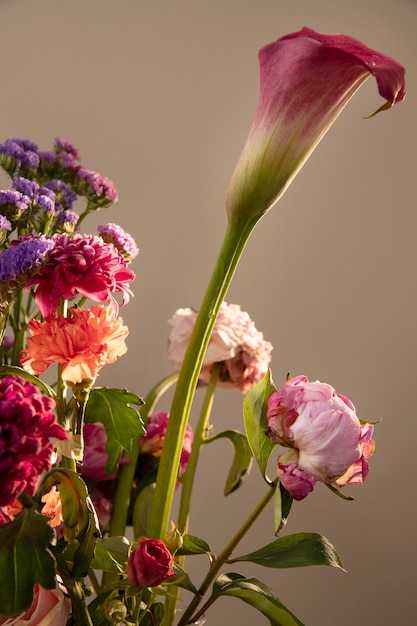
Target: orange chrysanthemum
[[82, 343]]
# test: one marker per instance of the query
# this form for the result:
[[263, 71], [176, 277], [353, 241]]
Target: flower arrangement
[[80, 463]]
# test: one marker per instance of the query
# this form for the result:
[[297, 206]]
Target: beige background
[[159, 96]]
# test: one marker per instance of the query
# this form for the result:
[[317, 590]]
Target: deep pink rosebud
[[235, 343], [27, 425], [150, 564], [326, 440], [306, 79]]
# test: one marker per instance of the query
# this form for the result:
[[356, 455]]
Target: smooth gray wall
[[159, 96]]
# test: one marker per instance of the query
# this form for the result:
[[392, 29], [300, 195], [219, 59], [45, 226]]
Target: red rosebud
[[150, 564]]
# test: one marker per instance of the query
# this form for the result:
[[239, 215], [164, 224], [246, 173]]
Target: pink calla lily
[[306, 79]]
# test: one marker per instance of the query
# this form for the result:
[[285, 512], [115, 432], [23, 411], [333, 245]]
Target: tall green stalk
[[235, 239]]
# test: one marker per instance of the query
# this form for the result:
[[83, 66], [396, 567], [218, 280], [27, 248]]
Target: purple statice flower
[[113, 233], [27, 187], [27, 423], [5, 224], [24, 256], [19, 152], [5, 227], [69, 217], [64, 195], [47, 200], [13, 203], [101, 186], [63, 145]]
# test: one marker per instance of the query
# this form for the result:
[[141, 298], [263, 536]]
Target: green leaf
[[111, 554], [122, 422], [25, 559], [195, 545], [298, 550], [5, 370], [78, 513], [282, 507], [254, 592], [242, 459], [255, 408]]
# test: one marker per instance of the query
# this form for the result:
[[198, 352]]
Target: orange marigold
[[82, 343]]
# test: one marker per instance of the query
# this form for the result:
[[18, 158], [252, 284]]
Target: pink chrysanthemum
[[85, 265], [27, 423], [235, 343], [81, 343], [153, 440]]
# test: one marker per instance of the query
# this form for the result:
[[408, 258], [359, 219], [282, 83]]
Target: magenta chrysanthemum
[[85, 265], [27, 423]]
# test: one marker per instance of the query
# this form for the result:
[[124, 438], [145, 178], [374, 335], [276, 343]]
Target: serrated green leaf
[[242, 460], [297, 550], [254, 411], [257, 594], [111, 554], [121, 421], [25, 559]]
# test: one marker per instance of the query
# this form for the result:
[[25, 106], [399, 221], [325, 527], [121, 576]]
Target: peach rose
[[49, 608]]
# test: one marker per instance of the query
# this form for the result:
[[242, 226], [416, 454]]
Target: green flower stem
[[187, 481], [223, 556], [235, 239], [127, 471], [80, 614]]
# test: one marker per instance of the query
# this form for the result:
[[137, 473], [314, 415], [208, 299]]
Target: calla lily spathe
[[306, 79]]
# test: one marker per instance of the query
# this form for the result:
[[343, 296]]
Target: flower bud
[[150, 564]]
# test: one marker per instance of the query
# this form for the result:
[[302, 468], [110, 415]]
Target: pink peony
[[95, 455], [81, 343], [326, 440], [27, 423], [235, 343], [81, 264], [150, 564], [153, 440], [49, 608]]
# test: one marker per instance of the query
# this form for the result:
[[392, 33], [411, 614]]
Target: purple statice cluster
[[24, 256], [113, 233]]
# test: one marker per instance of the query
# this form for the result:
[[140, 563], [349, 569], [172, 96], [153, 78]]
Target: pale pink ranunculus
[[49, 608], [306, 79], [235, 343], [326, 440], [82, 343]]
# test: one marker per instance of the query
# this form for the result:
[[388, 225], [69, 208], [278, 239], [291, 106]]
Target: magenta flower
[[150, 564], [84, 265], [27, 423], [153, 440], [326, 440], [95, 455], [306, 79], [235, 343]]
